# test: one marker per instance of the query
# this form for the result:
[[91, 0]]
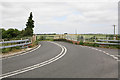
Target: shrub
[[36, 42], [59, 39], [30, 46], [6, 50], [69, 42], [95, 45], [81, 43], [76, 43], [17, 47]]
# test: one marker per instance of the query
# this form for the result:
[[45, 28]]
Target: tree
[[29, 26], [4, 35], [10, 33]]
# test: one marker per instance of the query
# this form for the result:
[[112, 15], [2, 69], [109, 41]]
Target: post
[[114, 31], [95, 39], [107, 39], [84, 39]]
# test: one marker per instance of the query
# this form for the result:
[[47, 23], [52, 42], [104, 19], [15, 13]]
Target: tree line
[[15, 33]]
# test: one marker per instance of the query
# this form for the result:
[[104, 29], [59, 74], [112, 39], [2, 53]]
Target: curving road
[[74, 62]]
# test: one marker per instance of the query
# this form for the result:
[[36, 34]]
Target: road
[[77, 62]]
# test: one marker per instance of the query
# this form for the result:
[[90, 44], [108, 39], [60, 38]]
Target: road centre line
[[62, 53]]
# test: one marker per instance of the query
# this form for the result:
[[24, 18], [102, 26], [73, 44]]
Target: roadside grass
[[14, 49]]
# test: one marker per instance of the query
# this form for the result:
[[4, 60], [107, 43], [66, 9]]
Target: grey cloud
[[43, 13]]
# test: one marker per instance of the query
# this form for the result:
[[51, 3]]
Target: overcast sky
[[60, 16]]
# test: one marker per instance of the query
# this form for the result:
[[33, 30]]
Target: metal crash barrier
[[15, 41]]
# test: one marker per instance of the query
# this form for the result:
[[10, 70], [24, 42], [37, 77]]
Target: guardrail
[[15, 41], [106, 42], [14, 45], [110, 40]]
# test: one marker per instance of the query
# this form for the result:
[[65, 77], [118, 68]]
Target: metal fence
[[94, 39], [21, 43], [108, 42]]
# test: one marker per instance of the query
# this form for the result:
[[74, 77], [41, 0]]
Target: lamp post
[[114, 30]]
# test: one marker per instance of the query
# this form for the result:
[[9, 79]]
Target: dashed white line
[[113, 56]]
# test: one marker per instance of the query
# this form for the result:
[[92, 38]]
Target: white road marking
[[100, 50], [104, 52], [113, 56], [21, 53], [62, 53], [107, 53]]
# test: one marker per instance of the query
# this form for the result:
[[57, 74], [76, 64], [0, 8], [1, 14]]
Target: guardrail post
[[107, 38], [114, 38]]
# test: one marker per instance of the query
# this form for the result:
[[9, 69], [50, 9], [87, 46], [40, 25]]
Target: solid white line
[[62, 53], [21, 53]]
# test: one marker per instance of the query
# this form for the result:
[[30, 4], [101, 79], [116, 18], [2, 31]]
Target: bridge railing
[[21, 43]]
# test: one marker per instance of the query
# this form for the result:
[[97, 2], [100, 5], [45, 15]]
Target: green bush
[[91, 44], [69, 42], [59, 39], [17, 47], [76, 43], [30, 46], [81, 43], [6, 50], [95, 45]]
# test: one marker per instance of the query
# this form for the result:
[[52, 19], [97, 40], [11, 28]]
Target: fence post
[[107, 39], [114, 38]]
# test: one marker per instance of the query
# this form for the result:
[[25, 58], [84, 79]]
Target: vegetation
[[63, 40], [15, 33], [29, 26], [81, 43], [10, 33], [90, 44], [6, 50]]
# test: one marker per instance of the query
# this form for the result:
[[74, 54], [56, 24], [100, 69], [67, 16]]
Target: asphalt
[[45, 52], [79, 62]]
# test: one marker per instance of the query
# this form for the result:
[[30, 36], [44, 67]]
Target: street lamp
[[114, 30]]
